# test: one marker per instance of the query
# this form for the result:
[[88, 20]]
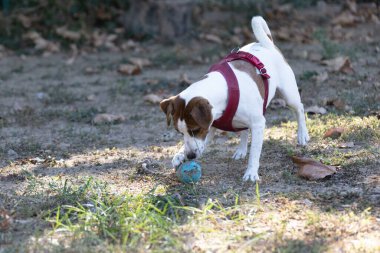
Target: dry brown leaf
[[321, 77], [153, 98], [129, 69], [333, 133], [105, 118], [140, 62], [337, 103], [351, 5], [211, 37], [5, 220], [315, 110], [183, 78], [41, 43], [311, 169], [74, 54], [283, 34], [24, 20], [68, 34], [91, 70], [345, 19], [340, 63]]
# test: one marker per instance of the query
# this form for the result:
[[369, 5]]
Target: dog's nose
[[191, 155]]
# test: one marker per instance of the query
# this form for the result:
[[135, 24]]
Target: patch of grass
[[60, 94], [91, 211], [84, 115], [27, 146], [307, 75], [357, 129], [121, 87]]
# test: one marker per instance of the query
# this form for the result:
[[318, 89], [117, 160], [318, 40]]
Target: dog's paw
[[250, 175], [303, 137], [240, 154], [178, 159]]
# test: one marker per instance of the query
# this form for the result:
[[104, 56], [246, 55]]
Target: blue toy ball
[[189, 172]]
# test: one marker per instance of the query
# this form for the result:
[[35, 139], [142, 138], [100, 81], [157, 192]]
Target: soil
[[47, 131]]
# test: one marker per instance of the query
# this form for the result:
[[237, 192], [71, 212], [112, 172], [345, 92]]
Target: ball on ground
[[189, 172]]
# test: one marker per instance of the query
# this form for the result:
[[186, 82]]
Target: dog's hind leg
[[289, 90], [241, 151]]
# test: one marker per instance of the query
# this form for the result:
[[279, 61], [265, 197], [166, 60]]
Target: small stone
[[168, 136], [105, 118], [12, 154]]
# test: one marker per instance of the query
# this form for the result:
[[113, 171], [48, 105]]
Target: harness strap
[[225, 121]]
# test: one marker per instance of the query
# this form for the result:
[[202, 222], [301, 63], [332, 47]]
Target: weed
[[90, 210]]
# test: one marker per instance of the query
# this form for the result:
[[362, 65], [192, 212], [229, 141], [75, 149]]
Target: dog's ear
[[201, 113], [167, 106]]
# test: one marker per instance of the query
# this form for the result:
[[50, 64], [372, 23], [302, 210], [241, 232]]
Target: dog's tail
[[262, 32]]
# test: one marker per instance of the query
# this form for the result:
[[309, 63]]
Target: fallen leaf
[[24, 20], [345, 19], [340, 64], [105, 118], [315, 110], [41, 43], [183, 78], [91, 70], [5, 220], [140, 62], [333, 133], [321, 77], [283, 34], [74, 54], [311, 169], [68, 34], [129, 69], [337, 103], [351, 5], [153, 98], [211, 37]]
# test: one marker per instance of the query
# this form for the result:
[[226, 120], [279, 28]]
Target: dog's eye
[[194, 131]]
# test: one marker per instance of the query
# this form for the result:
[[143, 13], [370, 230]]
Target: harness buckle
[[263, 71]]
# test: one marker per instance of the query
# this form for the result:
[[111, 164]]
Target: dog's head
[[193, 120]]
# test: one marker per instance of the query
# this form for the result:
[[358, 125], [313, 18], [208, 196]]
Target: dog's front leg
[[179, 157], [257, 130], [241, 151], [210, 136]]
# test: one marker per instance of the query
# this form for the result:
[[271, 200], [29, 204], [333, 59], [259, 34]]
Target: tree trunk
[[166, 19]]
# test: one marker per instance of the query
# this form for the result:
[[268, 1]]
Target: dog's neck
[[213, 88]]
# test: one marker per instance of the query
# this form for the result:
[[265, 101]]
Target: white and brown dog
[[195, 109]]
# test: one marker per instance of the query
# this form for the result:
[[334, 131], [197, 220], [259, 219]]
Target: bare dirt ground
[[47, 136]]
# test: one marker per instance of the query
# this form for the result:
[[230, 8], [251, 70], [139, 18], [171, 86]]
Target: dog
[[195, 110]]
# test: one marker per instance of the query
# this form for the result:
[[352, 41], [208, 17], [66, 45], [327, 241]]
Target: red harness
[[225, 121]]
